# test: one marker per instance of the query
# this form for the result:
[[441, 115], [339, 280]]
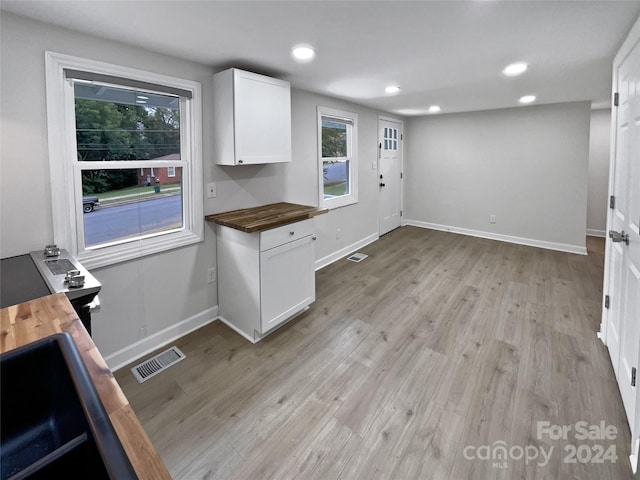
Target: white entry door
[[621, 320], [389, 174]]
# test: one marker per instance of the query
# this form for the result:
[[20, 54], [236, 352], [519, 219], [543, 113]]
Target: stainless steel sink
[[53, 424]]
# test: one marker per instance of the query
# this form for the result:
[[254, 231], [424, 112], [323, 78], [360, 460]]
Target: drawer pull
[[292, 233]]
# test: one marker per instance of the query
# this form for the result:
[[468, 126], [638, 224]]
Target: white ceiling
[[449, 53]]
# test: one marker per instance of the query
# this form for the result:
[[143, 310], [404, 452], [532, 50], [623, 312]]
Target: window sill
[[105, 256], [337, 203]]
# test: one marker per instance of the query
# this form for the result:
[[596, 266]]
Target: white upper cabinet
[[252, 118]]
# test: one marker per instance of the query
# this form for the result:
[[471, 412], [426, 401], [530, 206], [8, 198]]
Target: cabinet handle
[[292, 233], [314, 238], [240, 161]]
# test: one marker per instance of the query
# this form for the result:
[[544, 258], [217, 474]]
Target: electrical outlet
[[338, 234], [143, 331], [211, 275], [211, 190], [492, 219]]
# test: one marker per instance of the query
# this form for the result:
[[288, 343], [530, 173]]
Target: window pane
[[334, 139], [336, 178], [117, 123], [130, 203]]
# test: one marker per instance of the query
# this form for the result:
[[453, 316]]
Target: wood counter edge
[[30, 321], [268, 223]]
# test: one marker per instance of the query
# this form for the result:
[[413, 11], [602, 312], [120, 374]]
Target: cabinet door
[[287, 281], [262, 119]]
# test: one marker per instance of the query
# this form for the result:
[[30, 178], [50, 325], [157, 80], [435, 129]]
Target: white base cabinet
[[265, 278]]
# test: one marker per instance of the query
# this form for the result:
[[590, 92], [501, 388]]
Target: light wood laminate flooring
[[413, 364]]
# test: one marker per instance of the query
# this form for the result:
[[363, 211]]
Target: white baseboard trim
[[562, 247], [635, 454], [343, 252], [236, 329], [596, 233], [159, 339], [259, 336]]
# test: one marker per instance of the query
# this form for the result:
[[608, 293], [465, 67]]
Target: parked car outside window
[[89, 204]]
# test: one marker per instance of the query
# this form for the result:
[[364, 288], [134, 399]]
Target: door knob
[[619, 236], [382, 185]]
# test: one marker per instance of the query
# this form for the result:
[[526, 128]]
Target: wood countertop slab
[[258, 219], [30, 321]]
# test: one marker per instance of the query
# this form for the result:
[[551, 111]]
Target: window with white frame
[[338, 159], [133, 140]]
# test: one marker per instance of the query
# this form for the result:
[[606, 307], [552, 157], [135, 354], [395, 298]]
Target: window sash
[[65, 170], [349, 139], [350, 121], [101, 78]]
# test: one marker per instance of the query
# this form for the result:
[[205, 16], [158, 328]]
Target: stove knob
[[51, 251], [70, 274], [76, 281]]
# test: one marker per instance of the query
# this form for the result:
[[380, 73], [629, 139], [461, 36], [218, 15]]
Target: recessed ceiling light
[[527, 99], [515, 69], [392, 89], [434, 109], [303, 53]]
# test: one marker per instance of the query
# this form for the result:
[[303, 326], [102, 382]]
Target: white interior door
[[621, 321], [390, 174]]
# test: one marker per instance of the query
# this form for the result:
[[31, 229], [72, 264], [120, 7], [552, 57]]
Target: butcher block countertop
[[26, 322], [257, 219]]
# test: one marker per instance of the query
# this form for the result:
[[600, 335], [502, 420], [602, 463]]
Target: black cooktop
[[20, 281]]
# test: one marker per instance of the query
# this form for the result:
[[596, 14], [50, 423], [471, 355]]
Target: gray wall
[[146, 301], [356, 222], [141, 297], [599, 155], [526, 165]]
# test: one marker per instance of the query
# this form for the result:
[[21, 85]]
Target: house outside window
[[338, 167], [133, 140]]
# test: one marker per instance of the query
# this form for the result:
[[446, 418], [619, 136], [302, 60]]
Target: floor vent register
[[357, 257], [157, 364]]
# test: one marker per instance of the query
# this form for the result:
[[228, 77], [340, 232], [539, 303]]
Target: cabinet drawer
[[285, 234]]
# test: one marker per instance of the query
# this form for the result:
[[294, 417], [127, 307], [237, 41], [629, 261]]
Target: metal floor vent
[[357, 257], [157, 364]]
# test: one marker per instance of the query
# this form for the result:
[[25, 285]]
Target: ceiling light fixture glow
[[392, 89], [527, 99], [303, 53], [434, 109], [515, 69]]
